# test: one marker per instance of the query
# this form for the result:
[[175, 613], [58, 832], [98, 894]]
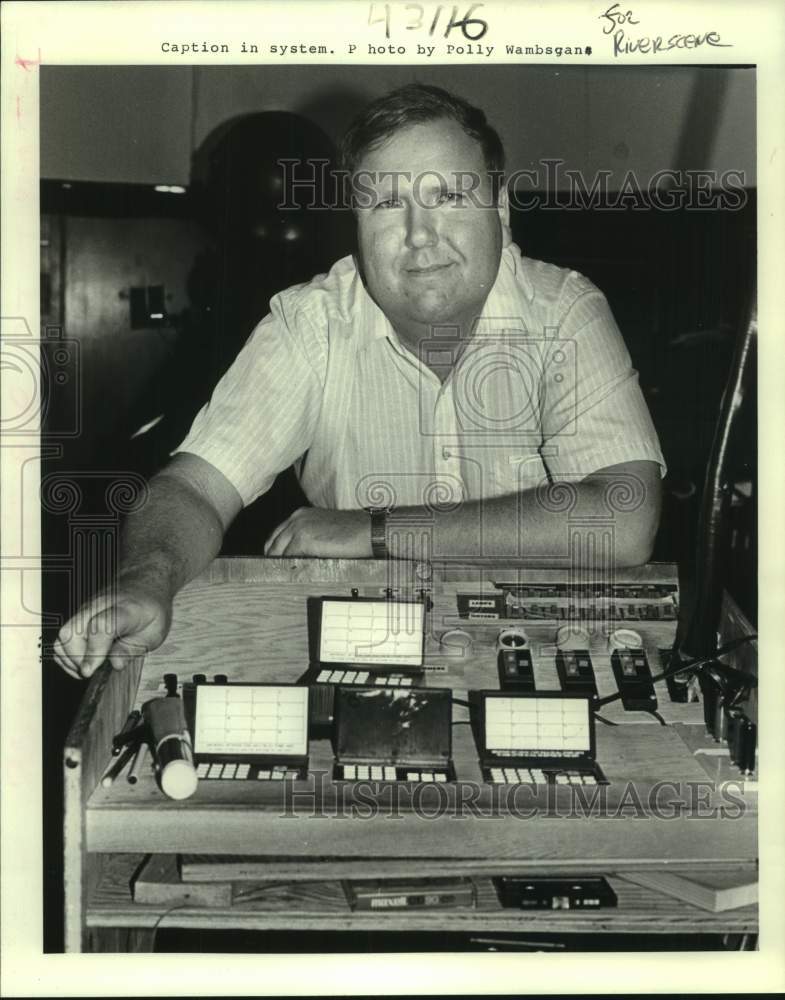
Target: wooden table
[[247, 619]]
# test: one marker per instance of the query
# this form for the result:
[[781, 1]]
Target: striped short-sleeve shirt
[[544, 390]]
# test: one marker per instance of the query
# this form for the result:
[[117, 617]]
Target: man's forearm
[[171, 539], [541, 527]]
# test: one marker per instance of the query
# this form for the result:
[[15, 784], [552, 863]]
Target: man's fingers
[[293, 547], [110, 624], [62, 661], [73, 636], [61, 656], [125, 650], [268, 547], [277, 544]]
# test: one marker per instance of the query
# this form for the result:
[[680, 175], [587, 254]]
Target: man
[[437, 373]]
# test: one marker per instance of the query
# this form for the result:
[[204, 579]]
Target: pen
[[130, 724], [115, 767], [136, 767]]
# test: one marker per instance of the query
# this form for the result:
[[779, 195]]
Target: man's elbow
[[632, 494], [634, 551], [635, 542]]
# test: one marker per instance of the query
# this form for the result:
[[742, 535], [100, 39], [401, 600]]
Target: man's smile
[[424, 272]]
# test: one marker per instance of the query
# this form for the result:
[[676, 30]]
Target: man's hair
[[415, 104]]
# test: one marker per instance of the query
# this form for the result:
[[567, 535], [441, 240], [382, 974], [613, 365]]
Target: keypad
[[534, 776], [277, 773], [362, 677], [386, 772], [239, 772]]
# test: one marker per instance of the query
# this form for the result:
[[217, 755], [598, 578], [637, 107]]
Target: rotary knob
[[624, 638]]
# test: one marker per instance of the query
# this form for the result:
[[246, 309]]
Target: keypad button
[[539, 777], [349, 677], [324, 676], [497, 775], [263, 776], [242, 770], [362, 677], [363, 771], [562, 779], [201, 771], [376, 773], [277, 775], [215, 771], [440, 776], [349, 772], [426, 775], [406, 682], [412, 775], [389, 773], [510, 774], [381, 681], [229, 771]]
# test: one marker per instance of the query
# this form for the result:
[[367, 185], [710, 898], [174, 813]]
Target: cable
[[703, 660], [689, 665], [460, 701], [177, 906], [605, 722]]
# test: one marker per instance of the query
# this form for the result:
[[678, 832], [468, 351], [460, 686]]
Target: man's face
[[429, 255]]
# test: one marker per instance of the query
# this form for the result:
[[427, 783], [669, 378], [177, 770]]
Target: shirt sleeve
[[262, 414], [593, 413]]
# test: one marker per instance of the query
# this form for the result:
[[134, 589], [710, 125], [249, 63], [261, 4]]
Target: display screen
[[394, 724], [372, 632], [251, 719], [542, 724]]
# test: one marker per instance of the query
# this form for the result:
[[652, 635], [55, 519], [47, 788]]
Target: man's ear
[[503, 208]]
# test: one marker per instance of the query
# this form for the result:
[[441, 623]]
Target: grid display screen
[[542, 724], [250, 719], [374, 632]]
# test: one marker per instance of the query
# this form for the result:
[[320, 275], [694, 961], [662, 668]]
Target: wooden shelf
[[321, 905]]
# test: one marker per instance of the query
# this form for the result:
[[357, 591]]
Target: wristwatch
[[379, 531]]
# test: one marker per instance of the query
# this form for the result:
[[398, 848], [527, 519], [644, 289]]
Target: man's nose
[[420, 227]]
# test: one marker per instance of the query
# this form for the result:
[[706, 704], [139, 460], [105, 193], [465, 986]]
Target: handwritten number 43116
[[473, 28]]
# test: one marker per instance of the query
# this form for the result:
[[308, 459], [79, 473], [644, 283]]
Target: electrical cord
[[700, 661]]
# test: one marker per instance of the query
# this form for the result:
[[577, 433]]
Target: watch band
[[379, 532]]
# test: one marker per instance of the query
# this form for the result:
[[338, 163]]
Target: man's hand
[[121, 626], [314, 531]]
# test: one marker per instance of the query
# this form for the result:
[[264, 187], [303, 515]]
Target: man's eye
[[389, 203], [452, 198]]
